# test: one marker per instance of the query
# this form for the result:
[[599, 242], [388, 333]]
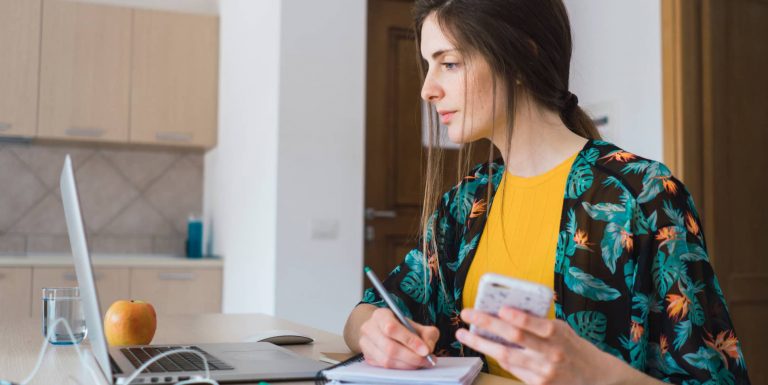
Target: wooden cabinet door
[[85, 72], [111, 284], [178, 291], [20, 43], [175, 79], [15, 283]]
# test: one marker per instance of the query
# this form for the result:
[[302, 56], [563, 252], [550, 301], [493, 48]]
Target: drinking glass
[[63, 302]]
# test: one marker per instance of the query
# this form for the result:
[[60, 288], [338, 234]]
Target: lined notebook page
[[449, 370]]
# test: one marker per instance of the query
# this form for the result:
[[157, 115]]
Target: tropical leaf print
[[682, 333], [642, 303], [464, 250], [369, 296], [637, 350], [694, 253], [581, 177], [629, 274], [674, 214], [607, 212], [611, 245], [445, 305], [656, 174], [588, 286], [590, 325], [666, 271], [413, 284], [705, 358]]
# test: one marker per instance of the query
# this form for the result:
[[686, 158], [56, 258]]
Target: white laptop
[[228, 362]]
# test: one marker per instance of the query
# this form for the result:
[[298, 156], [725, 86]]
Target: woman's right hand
[[385, 342]]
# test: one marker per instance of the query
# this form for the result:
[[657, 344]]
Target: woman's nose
[[431, 91]]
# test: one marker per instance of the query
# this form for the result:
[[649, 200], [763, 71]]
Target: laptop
[[228, 362]]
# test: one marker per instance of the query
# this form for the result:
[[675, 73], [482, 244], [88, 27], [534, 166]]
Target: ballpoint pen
[[392, 306]]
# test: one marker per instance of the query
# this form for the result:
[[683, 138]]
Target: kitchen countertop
[[110, 260]]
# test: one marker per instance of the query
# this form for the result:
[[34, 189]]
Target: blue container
[[194, 238]]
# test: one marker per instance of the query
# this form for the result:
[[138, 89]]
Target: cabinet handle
[[73, 277], [170, 136], [86, 132], [5, 126], [176, 276]]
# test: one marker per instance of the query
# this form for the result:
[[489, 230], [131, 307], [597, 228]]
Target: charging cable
[[95, 376]]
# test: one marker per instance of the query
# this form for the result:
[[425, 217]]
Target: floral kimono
[[632, 274]]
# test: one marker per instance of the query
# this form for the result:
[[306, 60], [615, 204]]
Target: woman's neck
[[540, 141]]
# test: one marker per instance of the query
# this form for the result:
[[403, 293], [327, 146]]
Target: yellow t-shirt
[[520, 235]]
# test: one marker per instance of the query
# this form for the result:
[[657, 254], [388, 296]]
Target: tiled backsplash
[[134, 201]]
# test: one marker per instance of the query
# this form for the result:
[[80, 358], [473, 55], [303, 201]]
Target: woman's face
[[460, 87]]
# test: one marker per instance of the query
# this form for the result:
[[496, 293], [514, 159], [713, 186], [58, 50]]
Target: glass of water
[[63, 302]]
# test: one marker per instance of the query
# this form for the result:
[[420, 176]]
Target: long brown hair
[[527, 44]]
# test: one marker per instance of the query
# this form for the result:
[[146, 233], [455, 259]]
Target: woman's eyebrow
[[441, 52]]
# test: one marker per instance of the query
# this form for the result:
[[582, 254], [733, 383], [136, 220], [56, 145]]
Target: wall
[[616, 69], [241, 173], [290, 158], [321, 161], [134, 201]]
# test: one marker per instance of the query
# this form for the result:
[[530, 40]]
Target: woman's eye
[[450, 66]]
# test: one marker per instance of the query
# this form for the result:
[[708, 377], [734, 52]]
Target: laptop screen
[[88, 294]]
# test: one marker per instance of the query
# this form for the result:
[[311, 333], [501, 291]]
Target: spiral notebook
[[449, 371]]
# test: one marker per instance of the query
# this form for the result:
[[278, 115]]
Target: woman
[[636, 300]]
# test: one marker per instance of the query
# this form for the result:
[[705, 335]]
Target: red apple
[[130, 322]]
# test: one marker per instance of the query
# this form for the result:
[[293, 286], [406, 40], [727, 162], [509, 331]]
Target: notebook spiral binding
[[320, 378]]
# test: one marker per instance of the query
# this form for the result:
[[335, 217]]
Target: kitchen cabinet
[[175, 79], [19, 67], [15, 294], [172, 285], [111, 283], [178, 291], [85, 72]]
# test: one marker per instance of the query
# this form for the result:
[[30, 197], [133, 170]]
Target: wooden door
[[716, 133], [19, 42], [175, 78], [394, 160], [85, 71]]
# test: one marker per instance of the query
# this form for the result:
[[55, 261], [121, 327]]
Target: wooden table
[[20, 342]]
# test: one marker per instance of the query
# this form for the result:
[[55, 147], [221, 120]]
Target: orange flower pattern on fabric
[[636, 331], [678, 306], [726, 344], [582, 240], [626, 240], [669, 185], [691, 225], [478, 208], [619, 156]]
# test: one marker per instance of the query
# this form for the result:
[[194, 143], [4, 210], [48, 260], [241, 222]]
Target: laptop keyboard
[[179, 362]]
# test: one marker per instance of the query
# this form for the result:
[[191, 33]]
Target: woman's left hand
[[552, 352]]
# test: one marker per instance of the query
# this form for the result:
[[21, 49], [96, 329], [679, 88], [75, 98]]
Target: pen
[[384, 294]]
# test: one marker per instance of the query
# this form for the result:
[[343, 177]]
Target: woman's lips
[[446, 116]]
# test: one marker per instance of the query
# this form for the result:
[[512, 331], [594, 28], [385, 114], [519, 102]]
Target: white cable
[[86, 362], [44, 348], [206, 380]]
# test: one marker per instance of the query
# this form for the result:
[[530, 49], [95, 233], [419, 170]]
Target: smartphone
[[496, 291]]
